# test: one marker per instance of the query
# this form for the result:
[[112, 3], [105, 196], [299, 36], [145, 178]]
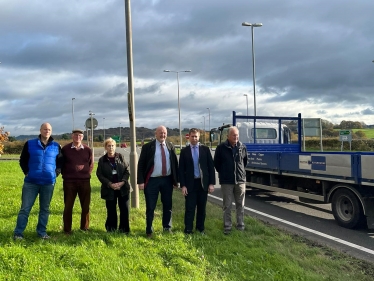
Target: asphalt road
[[312, 221]]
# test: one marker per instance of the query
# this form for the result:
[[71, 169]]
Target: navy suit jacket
[[146, 162], [186, 168]]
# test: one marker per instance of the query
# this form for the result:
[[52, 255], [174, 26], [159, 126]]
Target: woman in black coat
[[113, 173]]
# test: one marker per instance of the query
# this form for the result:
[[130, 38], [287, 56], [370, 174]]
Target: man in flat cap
[[76, 174]]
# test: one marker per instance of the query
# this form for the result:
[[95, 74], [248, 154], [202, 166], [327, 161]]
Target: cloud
[[309, 59]]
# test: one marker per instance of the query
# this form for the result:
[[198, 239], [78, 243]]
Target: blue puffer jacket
[[42, 162]]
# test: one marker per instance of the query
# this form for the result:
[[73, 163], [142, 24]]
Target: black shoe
[[188, 232], [149, 235], [167, 229], [202, 232], [227, 231]]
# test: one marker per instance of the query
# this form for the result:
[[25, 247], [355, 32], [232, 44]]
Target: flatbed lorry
[[277, 163]]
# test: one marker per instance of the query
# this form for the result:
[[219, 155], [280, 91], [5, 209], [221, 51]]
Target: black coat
[[146, 162], [231, 168], [206, 165], [104, 174]]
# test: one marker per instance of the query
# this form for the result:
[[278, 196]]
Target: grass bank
[[259, 253]]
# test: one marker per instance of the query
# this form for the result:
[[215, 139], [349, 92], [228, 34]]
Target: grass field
[[260, 252], [368, 132]]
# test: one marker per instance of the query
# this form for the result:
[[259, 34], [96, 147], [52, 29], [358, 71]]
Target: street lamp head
[[245, 95], [187, 71], [252, 24], [166, 70]]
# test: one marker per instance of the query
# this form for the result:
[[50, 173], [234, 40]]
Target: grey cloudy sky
[[313, 57]]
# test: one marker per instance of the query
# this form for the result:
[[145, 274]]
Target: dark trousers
[[112, 218], [163, 185], [196, 199], [71, 190]]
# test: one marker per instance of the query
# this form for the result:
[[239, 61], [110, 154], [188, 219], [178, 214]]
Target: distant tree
[[327, 124], [64, 136], [3, 138], [11, 138]]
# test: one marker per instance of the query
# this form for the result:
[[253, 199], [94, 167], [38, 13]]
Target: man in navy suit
[[158, 173], [197, 179]]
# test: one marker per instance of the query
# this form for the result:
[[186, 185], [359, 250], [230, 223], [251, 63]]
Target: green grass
[[368, 132], [260, 252]]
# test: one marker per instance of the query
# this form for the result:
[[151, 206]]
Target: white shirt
[[157, 169]]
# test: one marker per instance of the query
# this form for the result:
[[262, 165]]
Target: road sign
[[89, 125], [187, 136], [345, 135], [344, 132]]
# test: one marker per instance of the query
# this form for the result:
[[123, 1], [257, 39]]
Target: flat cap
[[78, 131]]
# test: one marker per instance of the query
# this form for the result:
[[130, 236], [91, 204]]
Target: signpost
[[187, 136], [345, 135]]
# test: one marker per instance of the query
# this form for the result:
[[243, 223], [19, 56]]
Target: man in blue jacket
[[230, 160], [40, 161]]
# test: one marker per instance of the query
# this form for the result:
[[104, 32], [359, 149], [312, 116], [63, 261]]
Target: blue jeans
[[29, 193]]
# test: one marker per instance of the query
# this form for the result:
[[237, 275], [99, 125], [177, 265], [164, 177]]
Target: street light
[[120, 133], [179, 108], [209, 126], [252, 25], [72, 110], [92, 127], [204, 130], [246, 97], [104, 127]]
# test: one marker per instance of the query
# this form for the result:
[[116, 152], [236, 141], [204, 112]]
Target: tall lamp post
[[209, 127], [120, 136], [252, 25], [179, 108], [204, 130], [92, 127], [246, 97], [104, 127], [72, 110]]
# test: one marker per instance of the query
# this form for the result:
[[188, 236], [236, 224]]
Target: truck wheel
[[347, 209]]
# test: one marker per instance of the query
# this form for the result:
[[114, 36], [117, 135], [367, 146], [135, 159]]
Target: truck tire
[[347, 209]]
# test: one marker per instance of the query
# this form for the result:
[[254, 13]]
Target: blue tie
[[195, 157]]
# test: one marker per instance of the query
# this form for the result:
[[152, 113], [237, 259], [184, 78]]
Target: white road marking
[[338, 240]]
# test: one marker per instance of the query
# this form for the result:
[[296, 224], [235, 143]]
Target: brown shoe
[[149, 235]]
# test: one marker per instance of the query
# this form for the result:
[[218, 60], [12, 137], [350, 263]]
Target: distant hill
[[141, 133]]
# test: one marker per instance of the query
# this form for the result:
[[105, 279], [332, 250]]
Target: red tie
[[163, 157]]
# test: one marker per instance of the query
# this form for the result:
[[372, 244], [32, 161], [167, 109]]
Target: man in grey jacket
[[230, 160]]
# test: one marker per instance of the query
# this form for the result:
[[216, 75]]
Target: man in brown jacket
[[76, 174]]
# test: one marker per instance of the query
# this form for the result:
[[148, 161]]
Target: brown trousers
[[82, 188]]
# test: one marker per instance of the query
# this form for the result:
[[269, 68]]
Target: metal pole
[[179, 108], [92, 127], [254, 75], [179, 114], [120, 133], [209, 127], [104, 127], [131, 108], [204, 131], [72, 110]]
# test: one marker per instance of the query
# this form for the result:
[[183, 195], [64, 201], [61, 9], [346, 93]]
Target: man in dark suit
[[158, 173], [197, 178]]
